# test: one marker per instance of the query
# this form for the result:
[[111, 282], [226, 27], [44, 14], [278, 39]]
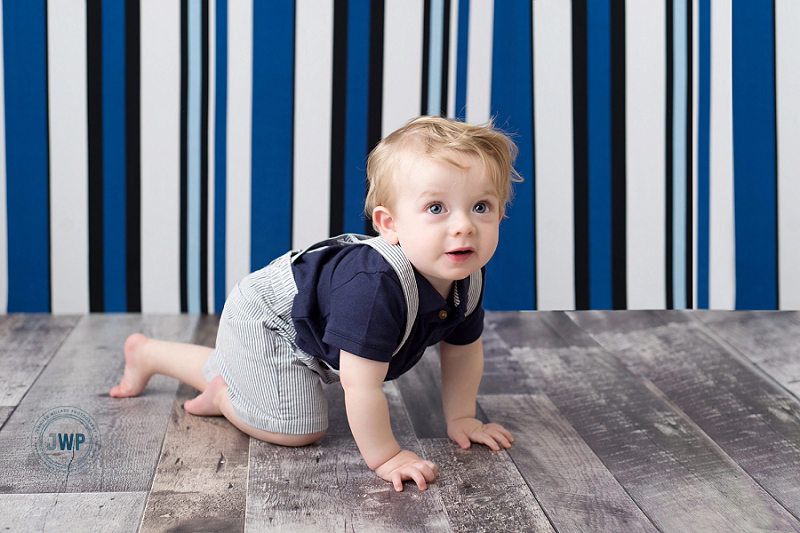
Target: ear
[[382, 219]]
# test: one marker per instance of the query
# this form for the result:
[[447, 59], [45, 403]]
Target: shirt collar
[[430, 300]]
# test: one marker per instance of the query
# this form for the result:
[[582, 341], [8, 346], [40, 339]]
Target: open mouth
[[460, 254]]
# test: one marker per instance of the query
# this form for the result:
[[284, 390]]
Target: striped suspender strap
[[474, 291], [405, 272]]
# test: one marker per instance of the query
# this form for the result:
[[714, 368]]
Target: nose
[[461, 224]]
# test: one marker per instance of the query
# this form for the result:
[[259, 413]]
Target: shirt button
[[442, 314]]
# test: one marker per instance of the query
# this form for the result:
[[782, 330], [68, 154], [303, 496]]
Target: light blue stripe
[[679, 124], [27, 194], [355, 156], [193, 155], [435, 60], [113, 101], [598, 79], [220, 142]]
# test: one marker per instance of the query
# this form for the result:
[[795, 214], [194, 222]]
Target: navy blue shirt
[[350, 298]]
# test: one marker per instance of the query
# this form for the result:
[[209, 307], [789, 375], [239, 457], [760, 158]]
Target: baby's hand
[[466, 430], [407, 465]]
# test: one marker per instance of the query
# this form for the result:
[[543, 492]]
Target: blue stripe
[[513, 108], [193, 154], [461, 59], [356, 114], [113, 102], [754, 155], [220, 144], [273, 102], [703, 137], [599, 151], [680, 101], [25, 67], [435, 49]]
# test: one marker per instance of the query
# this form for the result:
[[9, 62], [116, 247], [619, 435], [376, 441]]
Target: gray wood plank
[[98, 512], [767, 338], [200, 483], [679, 478], [201, 477], [421, 386], [482, 490], [571, 483], [27, 343], [85, 367], [327, 486], [754, 421]]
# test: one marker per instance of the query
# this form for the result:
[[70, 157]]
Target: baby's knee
[[301, 440]]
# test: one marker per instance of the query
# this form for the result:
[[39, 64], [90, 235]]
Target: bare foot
[[207, 403], [135, 376]]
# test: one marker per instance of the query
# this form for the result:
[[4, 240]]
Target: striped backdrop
[[153, 152]]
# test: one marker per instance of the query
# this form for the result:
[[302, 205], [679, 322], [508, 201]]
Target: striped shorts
[[272, 384]]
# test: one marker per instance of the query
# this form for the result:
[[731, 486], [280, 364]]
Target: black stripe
[[132, 158], [374, 119], [689, 165], [669, 152], [184, 241], [204, 162], [619, 292], [581, 161], [94, 90], [446, 58], [426, 64], [338, 117]]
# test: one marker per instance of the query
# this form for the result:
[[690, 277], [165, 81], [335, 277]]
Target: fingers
[[420, 472]]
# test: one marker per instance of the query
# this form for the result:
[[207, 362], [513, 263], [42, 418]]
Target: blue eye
[[435, 209], [481, 207]]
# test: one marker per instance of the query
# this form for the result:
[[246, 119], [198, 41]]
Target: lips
[[460, 254]]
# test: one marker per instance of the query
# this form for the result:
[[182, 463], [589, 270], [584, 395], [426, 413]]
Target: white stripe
[[552, 76], [721, 283], [479, 62], [238, 144], [452, 59], [3, 223], [160, 155], [402, 63], [787, 23], [645, 123], [312, 130], [212, 95], [69, 164]]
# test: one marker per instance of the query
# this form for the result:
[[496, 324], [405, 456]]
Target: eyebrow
[[437, 193]]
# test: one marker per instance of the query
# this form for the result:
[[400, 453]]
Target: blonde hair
[[441, 139]]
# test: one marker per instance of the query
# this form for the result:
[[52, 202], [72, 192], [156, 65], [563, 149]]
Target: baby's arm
[[368, 415], [462, 367]]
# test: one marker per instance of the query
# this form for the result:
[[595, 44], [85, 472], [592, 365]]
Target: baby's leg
[[145, 357], [214, 401]]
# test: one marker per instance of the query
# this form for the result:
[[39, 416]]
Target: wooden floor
[[624, 421]]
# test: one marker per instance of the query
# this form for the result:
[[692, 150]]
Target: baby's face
[[445, 218]]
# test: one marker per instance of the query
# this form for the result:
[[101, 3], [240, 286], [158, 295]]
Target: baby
[[362, 310]]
